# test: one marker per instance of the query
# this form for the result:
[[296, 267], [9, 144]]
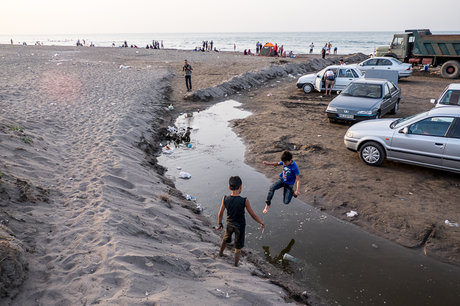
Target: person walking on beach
[[236, 222], [311, 47], [323, 52], [288, 178], [188, 75]]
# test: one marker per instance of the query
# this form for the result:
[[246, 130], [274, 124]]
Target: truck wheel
[[307, 88], [450, 70]]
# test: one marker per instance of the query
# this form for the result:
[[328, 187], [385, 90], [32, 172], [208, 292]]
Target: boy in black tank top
[[236, 222]]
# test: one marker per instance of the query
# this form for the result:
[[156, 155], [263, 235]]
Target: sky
[[197, 16]]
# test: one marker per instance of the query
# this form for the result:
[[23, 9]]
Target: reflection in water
[[278, 259]]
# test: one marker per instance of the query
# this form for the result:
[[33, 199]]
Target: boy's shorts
[[239, 235]]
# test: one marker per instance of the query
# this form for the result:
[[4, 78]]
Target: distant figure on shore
[[236, 222], [113, 44], [234, 47], [323, 52], [188, 75], [162, 45], [11, 41], [125, 44], [335, 50], [311, 47], [288, 178], [329, 46]]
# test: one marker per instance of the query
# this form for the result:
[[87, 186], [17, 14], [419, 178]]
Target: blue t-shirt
[[289, 173]]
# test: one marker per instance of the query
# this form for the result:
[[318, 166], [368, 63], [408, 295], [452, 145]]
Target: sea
[[297, 42]]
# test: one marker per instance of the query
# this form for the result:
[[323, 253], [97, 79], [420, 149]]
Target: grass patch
[[17, 128], [27, 139]]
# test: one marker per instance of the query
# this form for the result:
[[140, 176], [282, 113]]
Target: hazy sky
[[150, 16]]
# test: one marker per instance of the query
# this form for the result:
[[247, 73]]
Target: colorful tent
[[268, 50]]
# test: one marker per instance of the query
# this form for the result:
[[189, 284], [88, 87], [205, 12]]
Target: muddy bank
[[254, 79], [406, 204]]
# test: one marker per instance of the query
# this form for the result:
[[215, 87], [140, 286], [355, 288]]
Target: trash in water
[[189, 145], [184, 175], [168, 150], [450, 223], [289, 257], [190, 198], [352, 214], [189, 115]]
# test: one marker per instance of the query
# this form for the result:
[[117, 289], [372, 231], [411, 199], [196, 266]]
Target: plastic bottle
[[289, 257]]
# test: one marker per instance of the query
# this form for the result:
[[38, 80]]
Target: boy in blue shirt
[[236, 222], [288, 178]]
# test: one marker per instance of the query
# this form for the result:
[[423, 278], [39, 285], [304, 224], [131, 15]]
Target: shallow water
[[337, 261]]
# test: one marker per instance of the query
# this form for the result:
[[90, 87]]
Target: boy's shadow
[[278, 260]]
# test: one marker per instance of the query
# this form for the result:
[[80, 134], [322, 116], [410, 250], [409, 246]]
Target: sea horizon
[[298, 42]]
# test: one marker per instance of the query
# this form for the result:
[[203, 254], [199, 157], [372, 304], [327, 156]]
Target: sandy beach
[[87, 216]]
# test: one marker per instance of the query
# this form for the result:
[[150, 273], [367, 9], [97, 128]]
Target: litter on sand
[[450, 223], [190, 198], [184, 175], [124, 67], [289, 257], [351, 214]]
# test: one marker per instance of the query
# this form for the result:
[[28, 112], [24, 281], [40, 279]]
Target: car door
[[451, 158], [387, 103], [319, 82], [344, 77], [422, 142], [368, 65], [395, 92], [384, 64]]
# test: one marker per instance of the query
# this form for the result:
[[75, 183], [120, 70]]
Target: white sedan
[[386, 63], [344, 75]]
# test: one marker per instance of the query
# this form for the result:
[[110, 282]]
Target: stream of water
[[336, 260]]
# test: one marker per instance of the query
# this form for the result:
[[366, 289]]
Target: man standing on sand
[[311, 47], [188, 75]]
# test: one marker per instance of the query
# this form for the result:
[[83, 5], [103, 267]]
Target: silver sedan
[[430, 139], [386, 63]]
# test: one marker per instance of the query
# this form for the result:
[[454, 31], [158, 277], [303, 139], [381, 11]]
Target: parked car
[[365, 99], [450, 96], [345, 74], [386, 63], [430, 139]]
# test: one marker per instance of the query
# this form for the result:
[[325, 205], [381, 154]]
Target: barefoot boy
[[288, 177], [236, 222]]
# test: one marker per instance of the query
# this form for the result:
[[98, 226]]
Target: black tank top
[[235, 210]]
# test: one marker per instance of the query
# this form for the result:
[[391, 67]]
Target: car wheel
[[395, 108], [372, 153], [450, 70], [307, 88]]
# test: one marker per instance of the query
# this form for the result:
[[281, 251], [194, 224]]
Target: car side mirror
[[433, 101], [404, 130]]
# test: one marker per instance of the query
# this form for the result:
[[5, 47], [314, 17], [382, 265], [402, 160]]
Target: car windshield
[[451, 97], [401, 121], [363, 90]]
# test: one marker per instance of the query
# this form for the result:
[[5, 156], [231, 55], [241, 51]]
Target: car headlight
[[368, 112], [331, 109], [350, 134]]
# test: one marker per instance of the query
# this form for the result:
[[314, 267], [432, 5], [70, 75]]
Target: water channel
[[336, 260]]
